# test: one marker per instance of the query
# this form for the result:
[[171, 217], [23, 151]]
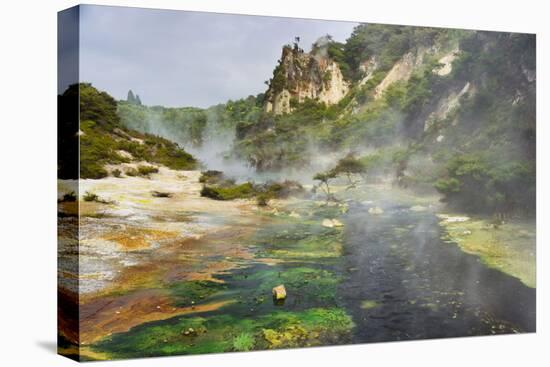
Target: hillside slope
[[104, 140], [432, 108], [454, 110]]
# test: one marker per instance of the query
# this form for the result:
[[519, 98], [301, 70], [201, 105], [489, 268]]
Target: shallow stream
[[388, 273]]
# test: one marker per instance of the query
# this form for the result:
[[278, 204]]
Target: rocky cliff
[[304, 75]]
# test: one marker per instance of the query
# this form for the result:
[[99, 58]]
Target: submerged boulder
[[330, 223], [279, 292], [327, 223], [337, 223], [376, 210], [453, 219]]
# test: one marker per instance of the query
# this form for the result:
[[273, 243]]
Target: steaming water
[[216, 155], [396, 278], [422, 286], [416, 285], [401, 280]]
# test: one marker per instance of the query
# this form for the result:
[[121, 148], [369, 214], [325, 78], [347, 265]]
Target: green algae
[[310, 285], [301, 241], [369, 304], [221, 333], [243, 342], [188, 293], [230, 192], [253, 322], [307, 255], [509, 248]]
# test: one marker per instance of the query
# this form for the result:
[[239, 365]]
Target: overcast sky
[[178, 58]]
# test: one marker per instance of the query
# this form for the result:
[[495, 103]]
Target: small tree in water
[[324, 178], [349, 166]]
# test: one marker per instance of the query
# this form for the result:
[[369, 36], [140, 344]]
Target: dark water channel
[[421, 287]]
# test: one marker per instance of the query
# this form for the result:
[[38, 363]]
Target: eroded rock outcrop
[[300, 76]]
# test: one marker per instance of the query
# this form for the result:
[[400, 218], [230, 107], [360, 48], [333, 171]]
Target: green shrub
[[90, 196], [218, 187], [161, 194], [147, 170], [281, 190], [132, 172], [92, 170], [263, 199], [242, 191], [141, 170], [447, 186], [116, 172], [211, 177]]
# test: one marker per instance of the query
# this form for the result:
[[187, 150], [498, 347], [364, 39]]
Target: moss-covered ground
[[509, 247], [224, 332]]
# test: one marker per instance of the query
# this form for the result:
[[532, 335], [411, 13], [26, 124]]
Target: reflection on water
[[421, 286], [397, 278]]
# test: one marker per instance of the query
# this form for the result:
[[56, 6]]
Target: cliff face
[[300, 76]]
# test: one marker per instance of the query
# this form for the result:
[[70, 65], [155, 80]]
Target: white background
[[28, 182]]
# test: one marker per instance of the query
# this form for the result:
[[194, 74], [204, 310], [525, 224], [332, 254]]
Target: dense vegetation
[[190, 124], [489, 156], [183, 124], [480, 155], [479, 152], [388, 43], [103, 137]]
